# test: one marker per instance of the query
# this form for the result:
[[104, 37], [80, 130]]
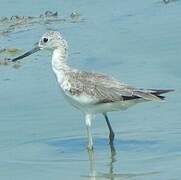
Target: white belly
[[90, 105]]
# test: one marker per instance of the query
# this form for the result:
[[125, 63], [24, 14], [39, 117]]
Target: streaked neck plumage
[[59, 63]]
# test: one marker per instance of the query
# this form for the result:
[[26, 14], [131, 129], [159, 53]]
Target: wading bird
[[89, 92]]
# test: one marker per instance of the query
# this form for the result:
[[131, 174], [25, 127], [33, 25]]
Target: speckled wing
[[103, 88]]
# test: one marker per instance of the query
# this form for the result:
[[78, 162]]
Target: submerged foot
[[90, 147]]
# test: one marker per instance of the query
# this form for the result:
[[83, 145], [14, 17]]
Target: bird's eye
[[45, 40]]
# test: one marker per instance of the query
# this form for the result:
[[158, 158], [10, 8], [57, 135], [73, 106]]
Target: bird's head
[[50, 40]]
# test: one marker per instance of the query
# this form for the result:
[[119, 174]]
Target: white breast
[[82, 102]]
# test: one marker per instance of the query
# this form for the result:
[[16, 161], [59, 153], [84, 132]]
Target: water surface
[[42, 137]]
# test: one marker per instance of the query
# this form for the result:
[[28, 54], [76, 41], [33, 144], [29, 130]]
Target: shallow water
[[42, 137]]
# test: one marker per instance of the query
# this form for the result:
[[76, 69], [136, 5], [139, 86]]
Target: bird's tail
[[159, 92], [151, 94]]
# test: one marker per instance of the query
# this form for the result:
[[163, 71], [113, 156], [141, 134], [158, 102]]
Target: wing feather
[[103, 88]]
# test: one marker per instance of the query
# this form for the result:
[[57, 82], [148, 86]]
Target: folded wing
[[105, 89]]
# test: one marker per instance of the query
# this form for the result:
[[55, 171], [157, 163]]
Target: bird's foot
[[90, 147]]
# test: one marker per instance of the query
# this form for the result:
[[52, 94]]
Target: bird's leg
[[111, 132], [88, 119]]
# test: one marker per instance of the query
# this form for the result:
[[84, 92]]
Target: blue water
[[43, 137]]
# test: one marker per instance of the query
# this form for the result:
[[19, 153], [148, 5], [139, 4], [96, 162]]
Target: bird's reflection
[[93, 173], [111, 165], [110, 174]]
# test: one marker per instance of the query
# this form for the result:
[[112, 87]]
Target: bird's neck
[[59, 63], [59, 59]]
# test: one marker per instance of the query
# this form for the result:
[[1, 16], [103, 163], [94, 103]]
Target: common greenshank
[[91, 93]]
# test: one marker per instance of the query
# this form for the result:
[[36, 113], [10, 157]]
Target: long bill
[[26, 54]]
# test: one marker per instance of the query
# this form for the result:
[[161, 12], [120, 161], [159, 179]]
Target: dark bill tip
[[26, 54]]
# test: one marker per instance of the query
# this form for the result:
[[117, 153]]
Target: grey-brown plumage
[[105, 89]]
